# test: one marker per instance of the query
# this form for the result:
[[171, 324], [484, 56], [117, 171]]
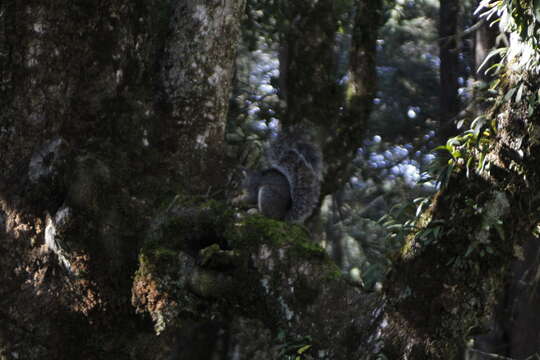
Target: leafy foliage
[[468, 149], [522, 20]]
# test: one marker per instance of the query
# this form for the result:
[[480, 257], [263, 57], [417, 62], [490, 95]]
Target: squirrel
[[289, 188]]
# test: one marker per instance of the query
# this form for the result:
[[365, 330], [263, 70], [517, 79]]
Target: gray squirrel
[[289, 188]]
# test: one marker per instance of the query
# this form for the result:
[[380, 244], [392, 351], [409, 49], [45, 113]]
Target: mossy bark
[[444, 287], [256, 271], [105, 111]]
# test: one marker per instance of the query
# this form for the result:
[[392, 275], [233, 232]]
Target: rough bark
[[444, 287], [194, 74], [104, 110], [514, 328], [307, 62]]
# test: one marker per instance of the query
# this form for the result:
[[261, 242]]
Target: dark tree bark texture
[[449, 67], [447, 284], [105, 110]]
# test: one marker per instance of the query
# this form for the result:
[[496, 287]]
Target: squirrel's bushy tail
[[299, 159]]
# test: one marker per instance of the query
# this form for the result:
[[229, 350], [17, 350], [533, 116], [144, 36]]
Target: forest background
[[123, 126]]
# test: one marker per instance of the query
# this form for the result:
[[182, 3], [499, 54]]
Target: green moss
[[162, 252], [199, 255], [333, 272], [308, 249], [256, 230]]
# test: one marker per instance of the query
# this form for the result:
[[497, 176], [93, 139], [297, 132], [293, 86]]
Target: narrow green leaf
[[519, 93], [468, 166], [443, 147], [500, 51], [303, 349], [509, 94], [477, 123], [494, 68]]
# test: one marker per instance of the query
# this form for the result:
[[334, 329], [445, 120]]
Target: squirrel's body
[[289, 188]]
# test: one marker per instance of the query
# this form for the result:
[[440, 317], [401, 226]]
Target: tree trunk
[[451, 273], [105, 109], [449, 67], [485, 41], [514, 328], [309, 81]]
